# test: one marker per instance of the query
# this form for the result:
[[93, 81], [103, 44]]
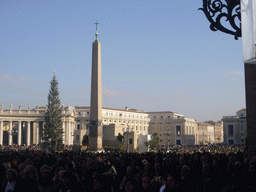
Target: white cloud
[[13, 78]]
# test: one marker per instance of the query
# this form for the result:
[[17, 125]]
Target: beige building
[[234, 128], [115, 122], [205, 134], [218, 130], [172, 127]]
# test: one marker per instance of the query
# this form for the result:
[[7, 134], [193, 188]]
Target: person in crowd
[[99, 165], [146, 183], [131, 185], [69, 183], [100, 184], [11, 182], [29, 181], [128, 175], [46, 183], [172, 184]]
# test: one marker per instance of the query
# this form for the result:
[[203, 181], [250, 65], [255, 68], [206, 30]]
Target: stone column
[[10, 133], [70, 133], [19, 133], [67, 133], [1, 132], [28, 133], [37, 132], [64, 132]]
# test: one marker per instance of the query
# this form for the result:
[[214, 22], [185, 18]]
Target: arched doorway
[[85, 141]]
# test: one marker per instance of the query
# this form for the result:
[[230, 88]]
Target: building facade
[[172, 128], [115, 122], [235, 128], [26, 126]]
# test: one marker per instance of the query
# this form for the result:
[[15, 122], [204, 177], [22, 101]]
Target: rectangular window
[[178, 130], [136, 128], [130, 141], [178, 142], [140, 128], [230, 130], [78, 126], [230, 141]]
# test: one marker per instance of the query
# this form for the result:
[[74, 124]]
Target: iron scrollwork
[[224, 15]]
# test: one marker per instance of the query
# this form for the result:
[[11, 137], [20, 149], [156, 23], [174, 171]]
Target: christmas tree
[[53, 131]]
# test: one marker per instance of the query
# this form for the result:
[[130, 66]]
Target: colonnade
[[26, 125], [32, 131]]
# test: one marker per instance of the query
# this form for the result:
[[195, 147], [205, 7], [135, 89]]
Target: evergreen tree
[[53, 131]]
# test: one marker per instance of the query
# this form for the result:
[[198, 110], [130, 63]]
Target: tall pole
[[128, 130]]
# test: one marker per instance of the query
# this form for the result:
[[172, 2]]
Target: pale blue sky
[[157, 55]]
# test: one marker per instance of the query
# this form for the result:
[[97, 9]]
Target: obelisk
[[95, 128]]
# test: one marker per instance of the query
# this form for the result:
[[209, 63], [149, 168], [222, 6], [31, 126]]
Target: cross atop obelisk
[[96, 134], [96, 33]]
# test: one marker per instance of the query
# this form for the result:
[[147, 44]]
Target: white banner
[[248, 19]]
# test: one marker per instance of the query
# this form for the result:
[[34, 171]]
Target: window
[[178, 142], [242, 127], [136, 128], [242, 134], [160, 140], [169, 117], [230, 130], [178, 130], [130, 141], [140, 128], [78, 126], [162, 117]]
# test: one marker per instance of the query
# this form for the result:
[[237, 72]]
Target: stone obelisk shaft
[[95, 143]]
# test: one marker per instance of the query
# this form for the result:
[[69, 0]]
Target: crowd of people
[[190, 168]]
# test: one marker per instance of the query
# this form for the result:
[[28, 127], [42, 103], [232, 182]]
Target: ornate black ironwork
[[220, 12]]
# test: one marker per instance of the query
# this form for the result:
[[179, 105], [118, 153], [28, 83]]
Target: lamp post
[[168, 133], [128, 131]]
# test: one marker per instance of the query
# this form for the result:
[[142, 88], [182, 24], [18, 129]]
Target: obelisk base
[[95, 139]]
